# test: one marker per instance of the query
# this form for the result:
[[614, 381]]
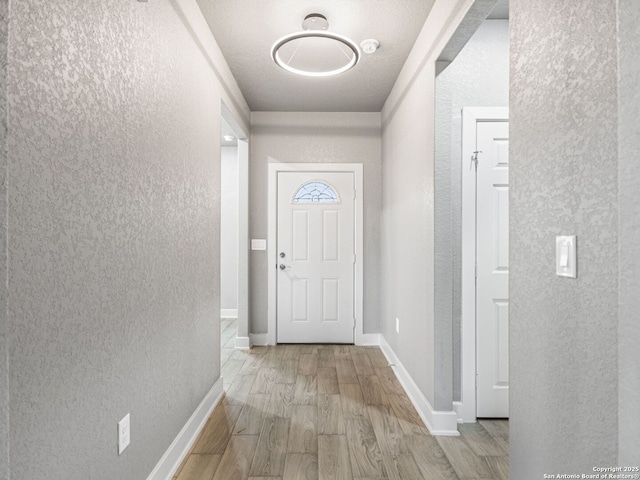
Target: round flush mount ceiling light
[[315, 52]]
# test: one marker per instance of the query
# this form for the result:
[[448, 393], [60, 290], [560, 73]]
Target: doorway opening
[[472, 71], [234, 227]]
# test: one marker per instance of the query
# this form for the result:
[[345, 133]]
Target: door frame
[[272, 236], [470, 117], [242, 341]]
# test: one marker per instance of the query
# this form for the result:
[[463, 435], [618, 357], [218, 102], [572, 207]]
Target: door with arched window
[[315, 257]]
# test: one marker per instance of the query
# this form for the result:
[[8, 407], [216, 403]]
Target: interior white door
[[315, 300], [492, 259]]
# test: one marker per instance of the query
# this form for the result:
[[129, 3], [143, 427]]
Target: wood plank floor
[[329, 412]]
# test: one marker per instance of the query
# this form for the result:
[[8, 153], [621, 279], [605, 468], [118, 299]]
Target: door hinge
[[474, 159]]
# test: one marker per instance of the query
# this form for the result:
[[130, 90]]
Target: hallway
[[303, 412]]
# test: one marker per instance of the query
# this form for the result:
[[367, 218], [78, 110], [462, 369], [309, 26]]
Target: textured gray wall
[[4, 327], [629, 232], [229, 228], [114, 193], [243, 239], [407, 230], [315, 138], [563, 152], [447, 335], [478, 77]]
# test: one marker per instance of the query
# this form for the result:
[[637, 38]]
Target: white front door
[[492, 257], [315, 245]]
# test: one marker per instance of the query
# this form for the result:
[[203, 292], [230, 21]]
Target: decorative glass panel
[[315, 192]]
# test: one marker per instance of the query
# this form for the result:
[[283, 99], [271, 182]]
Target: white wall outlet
[[124, 433], [397, 325]]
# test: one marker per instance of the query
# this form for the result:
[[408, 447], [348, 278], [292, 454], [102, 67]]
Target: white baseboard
[[464, 412], [368, 339], [243, 343], [260, 339], [228, 313], [438, 422], [457, 407], [172, 458]]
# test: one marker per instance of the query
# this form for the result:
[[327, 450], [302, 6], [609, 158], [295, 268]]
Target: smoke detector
[[370, 45]]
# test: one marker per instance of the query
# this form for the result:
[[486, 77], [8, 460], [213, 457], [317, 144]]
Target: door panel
[[300, 235], [315, 299], [300, 300], [330, 288], [492, 257], [331, 242], [501, 227], [502, 353]]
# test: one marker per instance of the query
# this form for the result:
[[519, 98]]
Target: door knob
[[283, 266]]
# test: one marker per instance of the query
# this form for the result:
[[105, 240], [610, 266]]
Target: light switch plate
[[566, 258], [258, 244]]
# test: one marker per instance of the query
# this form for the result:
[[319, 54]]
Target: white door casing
[[274, 168], [492, 258], [242, 340], [316, 257], [471, 118]]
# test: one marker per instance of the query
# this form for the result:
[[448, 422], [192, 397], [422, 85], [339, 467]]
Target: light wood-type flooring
[[330, 412]]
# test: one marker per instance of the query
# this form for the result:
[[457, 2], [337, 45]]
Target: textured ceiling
[[480, 11], [246, 29]]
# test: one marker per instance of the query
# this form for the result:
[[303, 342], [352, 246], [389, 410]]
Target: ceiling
[[245, 31], [480, 11]]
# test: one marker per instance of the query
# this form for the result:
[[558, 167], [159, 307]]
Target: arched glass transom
[[316, 192]]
